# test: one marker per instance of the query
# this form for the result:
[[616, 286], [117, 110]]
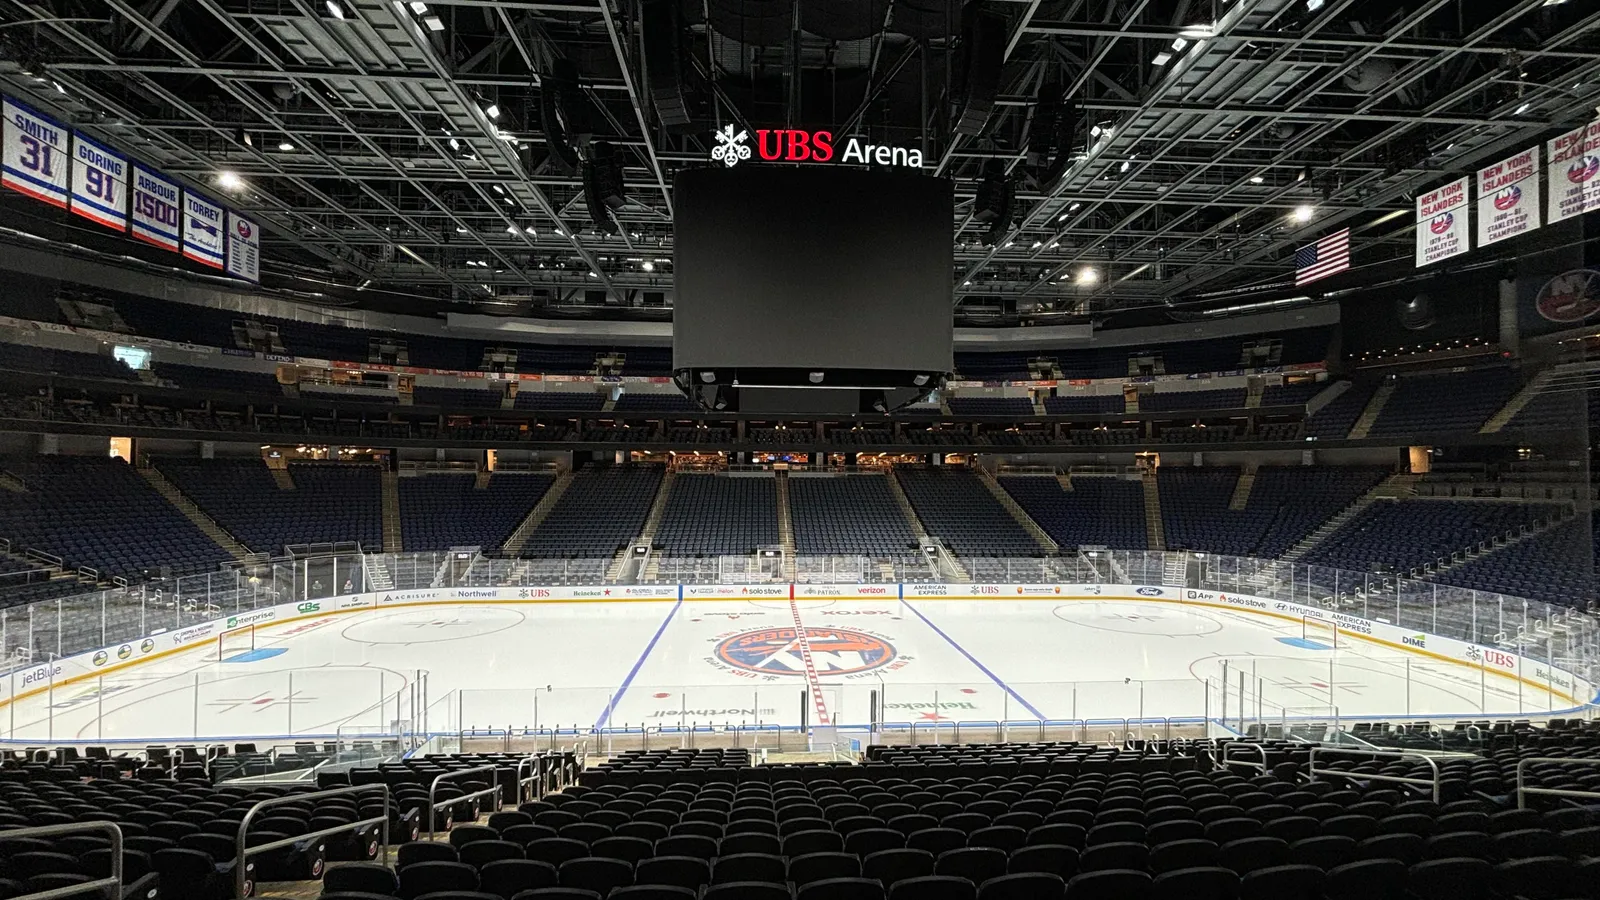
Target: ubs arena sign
[[733, 146]]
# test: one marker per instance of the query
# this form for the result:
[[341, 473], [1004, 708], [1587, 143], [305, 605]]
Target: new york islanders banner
[[1442, 230], [202, 230], [99, 183], [1508, 197], [156, 209], [244, 248], [1574, 173], [34, 158]]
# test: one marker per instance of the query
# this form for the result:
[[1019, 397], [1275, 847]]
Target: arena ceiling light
[[229, 181], [286, 147], [335, 9], [1088, 275], [1256, 179], [1304, 213]]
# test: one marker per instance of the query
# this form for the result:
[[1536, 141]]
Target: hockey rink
[[459, 667]]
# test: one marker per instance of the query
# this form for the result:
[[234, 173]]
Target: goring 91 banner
[[99, 183]]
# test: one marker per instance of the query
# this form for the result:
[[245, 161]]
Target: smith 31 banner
[[156, 204], [35, 157], [1574, 173], [202, 230], [244, 248], [1508, 197], [1442, 230], [99, 183]]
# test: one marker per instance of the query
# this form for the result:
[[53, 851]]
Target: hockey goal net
[[233, 642], [1319, 631]]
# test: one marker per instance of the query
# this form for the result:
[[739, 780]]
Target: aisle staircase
[[1152, 513], [1065, 480], [954, 570], [391, 512], [1395, 487], [1241, 490], [652, 523], [1254, 389], [786, 527], [281, 476], [1538, 385], [10, 482], [1004, 498], [519, 537], [481, 483], [1369, 415], [192, 512]]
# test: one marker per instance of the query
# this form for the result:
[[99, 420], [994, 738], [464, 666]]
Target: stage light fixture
[[1087, 275], [492, 111], [815, 377], [229, 181], [335, 9], [920, 380], [286, 147], [1161, 58], [708, 376], [1304, 213], [1256, 179], [648, 266]]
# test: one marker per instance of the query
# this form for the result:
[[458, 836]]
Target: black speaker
[[604, 170], [983, 51], [561, 114], [599, 208], [993, 201], [663, 60], [1042, 127]]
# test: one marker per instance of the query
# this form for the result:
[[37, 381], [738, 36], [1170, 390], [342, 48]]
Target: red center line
[[811, 670]]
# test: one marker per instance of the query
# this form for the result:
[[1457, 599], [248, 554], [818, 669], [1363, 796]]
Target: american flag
[[1329, 256]]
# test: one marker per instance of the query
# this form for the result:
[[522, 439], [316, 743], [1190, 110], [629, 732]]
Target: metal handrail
[[1259, 748], [99, 884], [1523, 791], [1434, 783], [536, 767], [241, 880], [433, 788]]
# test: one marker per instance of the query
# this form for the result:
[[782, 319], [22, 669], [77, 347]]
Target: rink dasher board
[[31, 680]]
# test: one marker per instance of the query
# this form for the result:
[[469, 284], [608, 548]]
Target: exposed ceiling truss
[[399, 144]]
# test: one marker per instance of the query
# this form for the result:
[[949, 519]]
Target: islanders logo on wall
[[1508, 198], [1583, 169], [1442, 224], [779, 651], [1572, 296]]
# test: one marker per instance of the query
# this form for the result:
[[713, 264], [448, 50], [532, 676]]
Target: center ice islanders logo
[[777, 651], [732, 148]]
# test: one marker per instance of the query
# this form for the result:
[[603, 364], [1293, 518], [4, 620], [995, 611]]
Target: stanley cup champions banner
[[202, 230], [99, 183], [35, 160], [1574, 173], [1442, 230], [1508, 197]]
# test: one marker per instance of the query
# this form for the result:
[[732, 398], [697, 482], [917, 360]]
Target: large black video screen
[[812, 267]]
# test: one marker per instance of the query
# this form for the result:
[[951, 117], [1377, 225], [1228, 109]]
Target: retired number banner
[[35, 160], [99, 183], [202, 230], [156, 204]]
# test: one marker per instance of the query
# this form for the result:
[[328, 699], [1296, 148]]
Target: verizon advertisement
[[1508, 197]]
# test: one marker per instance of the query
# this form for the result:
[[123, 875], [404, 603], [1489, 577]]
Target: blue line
[[616, 698], [974, 660]]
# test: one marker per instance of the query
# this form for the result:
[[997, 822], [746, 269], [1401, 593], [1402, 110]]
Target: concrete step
[[519, 537], [1153, 533], [193, 513], [392, 542], [1369, 415]]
